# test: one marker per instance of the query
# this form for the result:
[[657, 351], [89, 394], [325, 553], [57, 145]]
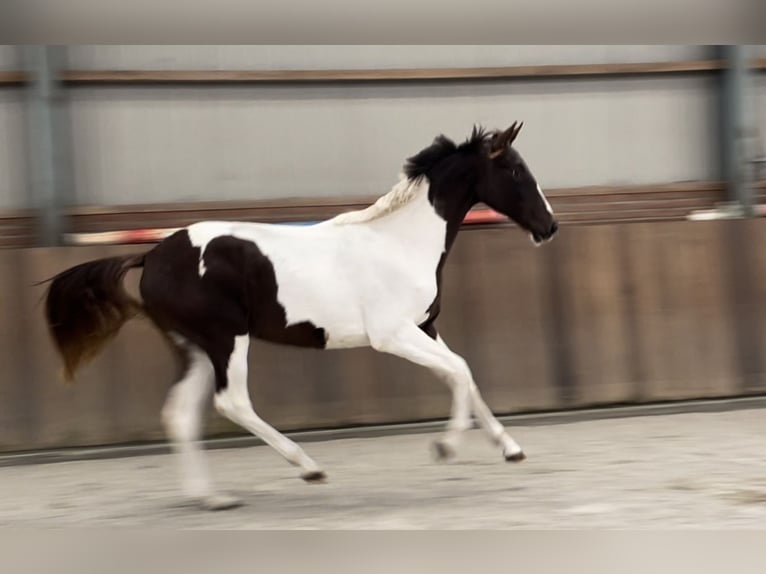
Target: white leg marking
[[411, 343], [234, 403], [182, 416], [494, 430], [545, 200]]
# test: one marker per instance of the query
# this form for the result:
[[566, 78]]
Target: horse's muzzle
[[539, 238]]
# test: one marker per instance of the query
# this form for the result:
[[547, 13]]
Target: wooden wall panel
[[594, 299], [686, 335]]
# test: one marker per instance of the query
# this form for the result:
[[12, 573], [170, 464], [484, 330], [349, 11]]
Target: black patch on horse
[[236, 295], [453, 172], [435, 308]]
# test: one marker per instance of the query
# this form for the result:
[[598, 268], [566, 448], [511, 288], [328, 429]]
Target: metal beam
[[736, 127], [48, 145]]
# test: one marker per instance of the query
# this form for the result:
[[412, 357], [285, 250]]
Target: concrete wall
[[184, 144], [9, 58], [12, 142], [161, 144], [166, 144], [13, 177], [604, 314]]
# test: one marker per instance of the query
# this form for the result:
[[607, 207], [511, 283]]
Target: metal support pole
[[47, 162], [736, 127]]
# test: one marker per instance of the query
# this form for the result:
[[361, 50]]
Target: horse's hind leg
[[182, 416], [232, 400]]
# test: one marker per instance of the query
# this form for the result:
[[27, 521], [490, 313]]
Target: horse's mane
[[415, 176], [401, 194], [421, 164]]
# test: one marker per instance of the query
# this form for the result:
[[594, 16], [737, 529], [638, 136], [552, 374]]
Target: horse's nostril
[[554, 228]]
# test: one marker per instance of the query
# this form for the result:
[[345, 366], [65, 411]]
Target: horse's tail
[[86, 306]]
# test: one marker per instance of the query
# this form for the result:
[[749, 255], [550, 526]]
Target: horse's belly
[[318, 299], [343, 325], [347, 340]]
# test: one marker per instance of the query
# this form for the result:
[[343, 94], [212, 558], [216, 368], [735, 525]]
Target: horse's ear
[[514, 132], [503, 139]]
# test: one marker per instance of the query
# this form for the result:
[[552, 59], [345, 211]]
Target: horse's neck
[[418, 224]]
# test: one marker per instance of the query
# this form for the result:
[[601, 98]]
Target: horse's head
[[511, 189]]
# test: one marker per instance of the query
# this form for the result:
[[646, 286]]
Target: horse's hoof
[[220, 502], [442, 451], [515, 457], [314, 477]]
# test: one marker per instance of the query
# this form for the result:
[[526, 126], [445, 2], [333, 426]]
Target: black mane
[[442, 147]]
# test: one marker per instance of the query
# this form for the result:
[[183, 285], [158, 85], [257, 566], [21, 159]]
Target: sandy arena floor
[[705, 470]]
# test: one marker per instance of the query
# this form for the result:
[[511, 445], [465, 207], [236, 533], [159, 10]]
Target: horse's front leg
[[491, 426], [411, 343]]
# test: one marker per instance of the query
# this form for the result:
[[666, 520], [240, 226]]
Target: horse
[[365, 278]]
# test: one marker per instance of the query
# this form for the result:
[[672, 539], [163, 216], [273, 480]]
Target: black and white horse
[[365, 278]]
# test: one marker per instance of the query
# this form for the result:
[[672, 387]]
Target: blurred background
[[652, 156]]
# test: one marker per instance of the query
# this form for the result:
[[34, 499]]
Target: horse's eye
[[515, 172]]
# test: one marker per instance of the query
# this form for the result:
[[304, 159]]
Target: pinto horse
[[365, 278]]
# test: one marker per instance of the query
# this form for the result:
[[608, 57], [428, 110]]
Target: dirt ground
[[701, 470]]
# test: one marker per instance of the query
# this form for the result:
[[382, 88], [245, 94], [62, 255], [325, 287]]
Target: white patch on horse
[[545, 200], [200, 234], [367, 267]]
